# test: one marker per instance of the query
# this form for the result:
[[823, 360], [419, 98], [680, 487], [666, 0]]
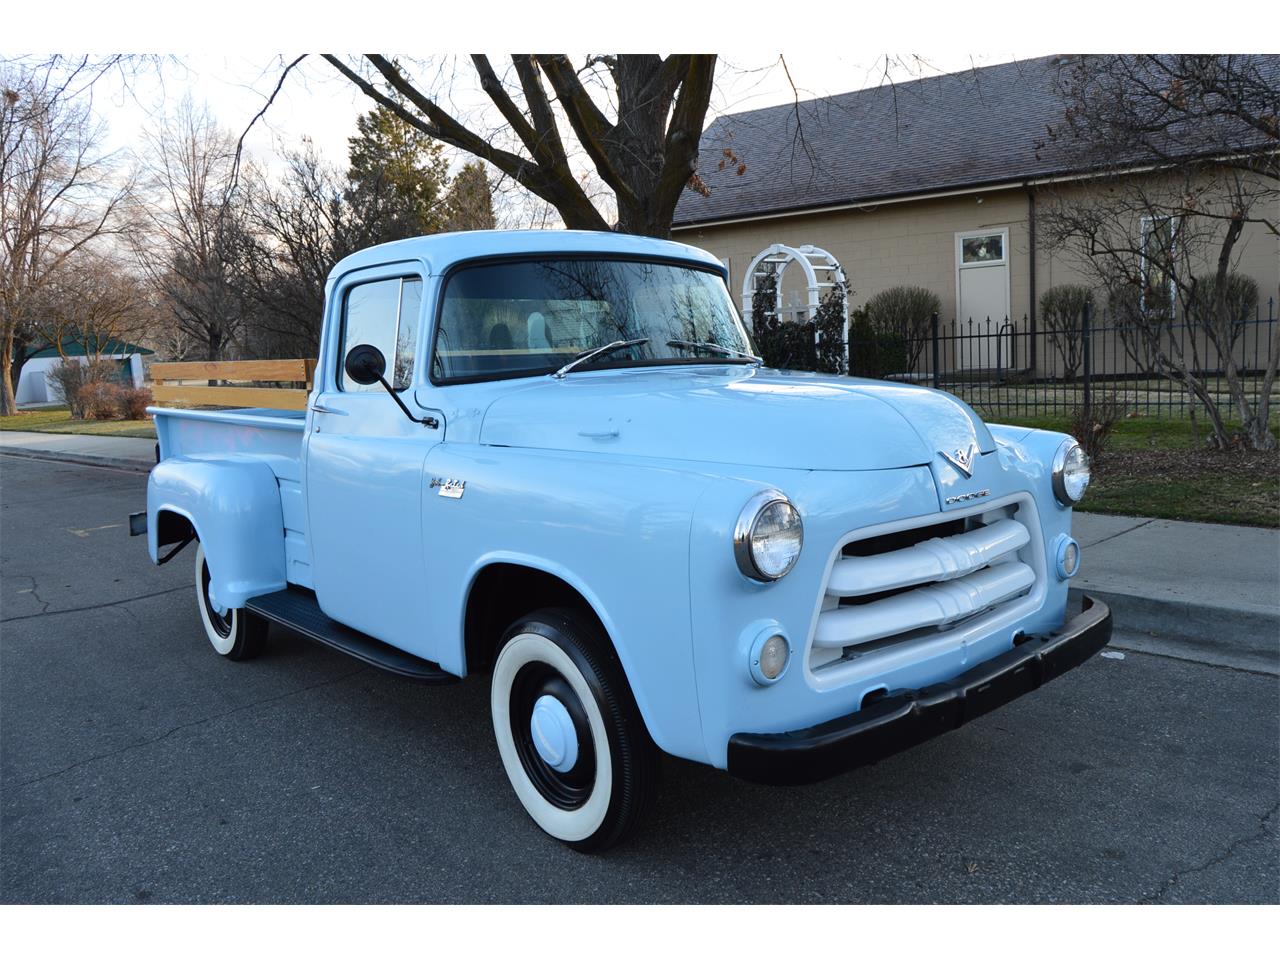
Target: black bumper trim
[[910, 717]]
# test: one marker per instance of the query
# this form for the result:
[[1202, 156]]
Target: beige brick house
[[935, 183]]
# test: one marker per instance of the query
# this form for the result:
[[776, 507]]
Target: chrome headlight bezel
[[1060, 459], [745, 530]]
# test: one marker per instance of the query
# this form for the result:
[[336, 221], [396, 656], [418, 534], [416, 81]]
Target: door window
[[383, 313], [984, 249]]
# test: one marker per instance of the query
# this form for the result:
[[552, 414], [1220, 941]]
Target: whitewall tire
[[234, 634], [570, 736]]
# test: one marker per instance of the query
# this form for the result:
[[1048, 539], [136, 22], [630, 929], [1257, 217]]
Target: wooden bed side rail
[[168, 386]]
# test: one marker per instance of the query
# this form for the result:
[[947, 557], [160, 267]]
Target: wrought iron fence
[[1014, 368]]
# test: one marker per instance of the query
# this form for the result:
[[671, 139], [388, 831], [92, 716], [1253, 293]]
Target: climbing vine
[[816, 344]]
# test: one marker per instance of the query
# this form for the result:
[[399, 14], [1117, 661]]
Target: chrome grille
[[930, 575]]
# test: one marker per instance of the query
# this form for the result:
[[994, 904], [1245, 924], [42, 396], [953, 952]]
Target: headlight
[[1070, 473], [768, 537]]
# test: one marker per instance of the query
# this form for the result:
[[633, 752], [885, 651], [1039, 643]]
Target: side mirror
[[365, 364]]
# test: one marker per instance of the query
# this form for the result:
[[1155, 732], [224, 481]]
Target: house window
[[988, 248], [1159, 245], [383, 313]]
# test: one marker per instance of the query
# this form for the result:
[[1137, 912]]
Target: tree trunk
[[8, 406]]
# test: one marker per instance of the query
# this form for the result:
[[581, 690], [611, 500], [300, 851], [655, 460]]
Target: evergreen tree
[[396, 181], [470, 200]]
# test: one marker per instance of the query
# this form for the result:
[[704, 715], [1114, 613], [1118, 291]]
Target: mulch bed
[[1248, 481]]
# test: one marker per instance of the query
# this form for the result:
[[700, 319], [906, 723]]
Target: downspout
[[1031, 312]]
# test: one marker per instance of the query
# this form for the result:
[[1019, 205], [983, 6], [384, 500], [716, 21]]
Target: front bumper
[[912, 716]]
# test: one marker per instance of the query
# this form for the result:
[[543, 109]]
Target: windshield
[[531, 317]]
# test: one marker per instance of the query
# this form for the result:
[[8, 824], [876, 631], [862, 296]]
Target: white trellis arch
[[822, 272]]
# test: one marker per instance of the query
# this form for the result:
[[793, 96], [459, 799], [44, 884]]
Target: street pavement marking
[[88, 530]]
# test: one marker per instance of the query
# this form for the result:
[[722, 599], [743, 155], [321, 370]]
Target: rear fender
[[234, 506]]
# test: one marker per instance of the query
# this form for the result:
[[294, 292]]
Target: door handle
[[321, 408]]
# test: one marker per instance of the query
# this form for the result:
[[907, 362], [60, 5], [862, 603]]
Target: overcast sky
[[316, 102]]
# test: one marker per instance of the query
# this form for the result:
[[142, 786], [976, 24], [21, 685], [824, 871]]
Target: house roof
[[986, 126], [73, 347]]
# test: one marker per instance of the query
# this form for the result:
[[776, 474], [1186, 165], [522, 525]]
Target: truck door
[[364, 462]]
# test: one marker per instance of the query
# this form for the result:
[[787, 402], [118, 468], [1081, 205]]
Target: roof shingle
[[984, 126]]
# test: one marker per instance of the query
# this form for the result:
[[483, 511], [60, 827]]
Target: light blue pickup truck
[[552, 457]]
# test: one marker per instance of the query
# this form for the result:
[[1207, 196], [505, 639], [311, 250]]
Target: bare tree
[[190, 211], [59, 193], [636, 118], [1187, 152], [295, 230], [91, 303]]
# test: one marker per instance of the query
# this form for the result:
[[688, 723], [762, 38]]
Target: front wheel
[[235, 634], [571, 738]]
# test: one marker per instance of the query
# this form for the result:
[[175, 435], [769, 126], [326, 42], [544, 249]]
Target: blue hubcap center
[[553, 735]]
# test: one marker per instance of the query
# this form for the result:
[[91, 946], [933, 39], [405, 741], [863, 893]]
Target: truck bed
[[273, 437]]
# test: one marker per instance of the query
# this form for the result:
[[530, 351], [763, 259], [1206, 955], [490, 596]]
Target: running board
[[298, 610]]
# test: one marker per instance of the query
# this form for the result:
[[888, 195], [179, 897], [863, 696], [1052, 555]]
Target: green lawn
[[1158, 468], [58, 420]]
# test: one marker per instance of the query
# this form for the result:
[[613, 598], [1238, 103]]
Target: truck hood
[[737, 415]]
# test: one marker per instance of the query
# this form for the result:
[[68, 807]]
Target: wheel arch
[[502, 589]]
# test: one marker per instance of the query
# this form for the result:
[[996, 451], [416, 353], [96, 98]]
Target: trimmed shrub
[[1241, 304], [100, 400], [872, 352], [134, 402], [903, 315], [1062, 313], [71, 377], [1138, 333]]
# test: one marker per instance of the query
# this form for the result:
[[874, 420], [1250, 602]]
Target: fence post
[[1087, 339], [937, 374]]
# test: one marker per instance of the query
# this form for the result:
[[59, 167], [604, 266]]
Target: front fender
[[234, 506], [616, 530]]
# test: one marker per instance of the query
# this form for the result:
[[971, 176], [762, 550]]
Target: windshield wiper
[[597, 352], [716, 348]]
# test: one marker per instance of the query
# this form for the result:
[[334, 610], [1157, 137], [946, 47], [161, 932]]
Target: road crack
[[96, 606], [35, 592], [1263, 831], [191, 723]]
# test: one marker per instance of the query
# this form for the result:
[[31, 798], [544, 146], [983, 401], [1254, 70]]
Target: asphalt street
[[138, 766]]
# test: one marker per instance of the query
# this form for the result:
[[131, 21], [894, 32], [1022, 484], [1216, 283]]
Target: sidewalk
[[1205, 591], [128, 453]]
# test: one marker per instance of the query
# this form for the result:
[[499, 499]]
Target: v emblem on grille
[[962, 460]]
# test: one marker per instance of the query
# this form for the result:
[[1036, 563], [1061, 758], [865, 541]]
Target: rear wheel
[[571, 738], [234, 634]]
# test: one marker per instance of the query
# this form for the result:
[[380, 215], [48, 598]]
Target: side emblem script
[[454, 489], [962, 460]]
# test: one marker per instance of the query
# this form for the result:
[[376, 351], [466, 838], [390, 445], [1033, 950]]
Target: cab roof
[[440, 251]]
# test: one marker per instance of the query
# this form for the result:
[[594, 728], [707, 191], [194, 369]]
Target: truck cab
[[553, 459]]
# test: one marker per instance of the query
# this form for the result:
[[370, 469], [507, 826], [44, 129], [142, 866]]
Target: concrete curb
[[83, 459], [1216, 634]]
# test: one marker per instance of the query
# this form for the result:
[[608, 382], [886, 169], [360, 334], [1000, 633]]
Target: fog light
[[770, 655], [1068, 557]]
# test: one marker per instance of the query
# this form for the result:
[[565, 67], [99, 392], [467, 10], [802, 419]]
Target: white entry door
[[982, 292]]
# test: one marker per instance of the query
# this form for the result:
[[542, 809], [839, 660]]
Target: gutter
[[872, 204]]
